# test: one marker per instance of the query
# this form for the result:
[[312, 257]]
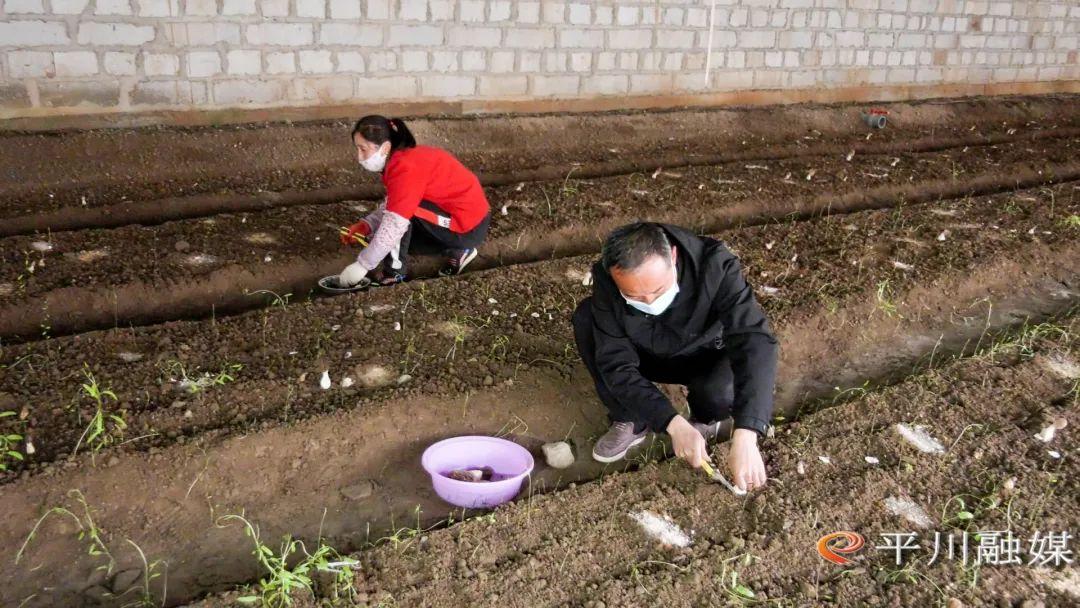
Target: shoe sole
[[378, 284], [465, 260], [620, 455]]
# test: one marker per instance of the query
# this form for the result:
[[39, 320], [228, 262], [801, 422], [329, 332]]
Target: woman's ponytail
[[400, 136], [378, 130]]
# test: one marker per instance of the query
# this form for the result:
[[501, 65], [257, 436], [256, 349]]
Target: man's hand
[[361, 228], [687, 442], [744, 458], [353, 274]]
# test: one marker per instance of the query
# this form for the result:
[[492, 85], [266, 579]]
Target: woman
[[429, 194]]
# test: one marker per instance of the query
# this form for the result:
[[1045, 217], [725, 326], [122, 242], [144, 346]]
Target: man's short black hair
[[629, 246]]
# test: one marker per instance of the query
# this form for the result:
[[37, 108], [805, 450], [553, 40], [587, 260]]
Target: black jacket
[[714, 311]]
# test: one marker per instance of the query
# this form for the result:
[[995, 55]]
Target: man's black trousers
[[707, 377]]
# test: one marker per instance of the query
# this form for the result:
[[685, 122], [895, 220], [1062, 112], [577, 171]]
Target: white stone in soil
[[1047, 434], [825, 459], [1066, 581], [907, 509], [871, 460], [346, 382], [662, 529], [324, 381], [41, 246], [372, 375], [558, 454], [920, 438], [260, 238], [1062, 365], [200, 259]]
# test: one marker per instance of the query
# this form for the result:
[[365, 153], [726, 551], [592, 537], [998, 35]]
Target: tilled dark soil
[[452, 336], [870, 266], [50, 172], [178, 252], [583, 547]]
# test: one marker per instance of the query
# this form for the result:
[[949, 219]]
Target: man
[[672, 307]]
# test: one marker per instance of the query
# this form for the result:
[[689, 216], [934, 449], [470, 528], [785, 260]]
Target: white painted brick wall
[[131, 55]]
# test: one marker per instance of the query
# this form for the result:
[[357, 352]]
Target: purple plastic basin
[[510, 462]]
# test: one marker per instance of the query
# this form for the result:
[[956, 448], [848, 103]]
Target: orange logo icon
[[828, 546]]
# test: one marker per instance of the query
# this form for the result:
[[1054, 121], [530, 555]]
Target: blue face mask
[[663, 301]]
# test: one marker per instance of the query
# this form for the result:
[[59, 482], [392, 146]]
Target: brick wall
[[89, 56]]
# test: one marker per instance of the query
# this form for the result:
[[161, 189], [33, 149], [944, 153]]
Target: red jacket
[[433, 174]]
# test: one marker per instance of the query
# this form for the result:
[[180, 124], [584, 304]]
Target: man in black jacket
[[671, 307]]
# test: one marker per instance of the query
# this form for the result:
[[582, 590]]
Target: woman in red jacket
[[429, 194]]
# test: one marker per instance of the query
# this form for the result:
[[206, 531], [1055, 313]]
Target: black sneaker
[[457, 260]]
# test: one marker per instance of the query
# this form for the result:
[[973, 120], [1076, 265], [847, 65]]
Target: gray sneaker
[[617, 441], [718, 431]]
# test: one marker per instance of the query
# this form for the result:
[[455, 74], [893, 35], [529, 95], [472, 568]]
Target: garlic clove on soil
[[324, 381], [558, 454], [1009, 485], [1047, 434]]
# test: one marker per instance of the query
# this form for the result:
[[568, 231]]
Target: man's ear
[[674, 254]]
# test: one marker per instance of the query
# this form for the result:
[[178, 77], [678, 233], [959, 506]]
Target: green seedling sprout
[[8, 445], [104, 428], [281, 582], [88, 532]]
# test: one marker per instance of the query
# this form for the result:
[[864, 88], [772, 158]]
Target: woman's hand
[[361, 228], [353, 274], [744, 458], [687, 442]]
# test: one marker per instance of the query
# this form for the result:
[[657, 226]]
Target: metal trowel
[[719, 478]]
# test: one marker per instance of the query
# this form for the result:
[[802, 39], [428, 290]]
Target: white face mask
[[661, 303], [376, 161]]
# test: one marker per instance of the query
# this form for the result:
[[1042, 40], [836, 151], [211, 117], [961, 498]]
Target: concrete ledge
[[54, 119]]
